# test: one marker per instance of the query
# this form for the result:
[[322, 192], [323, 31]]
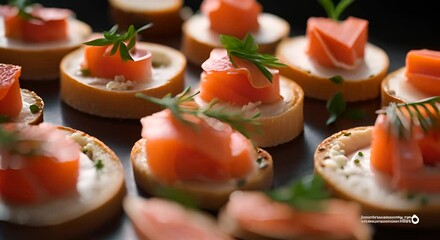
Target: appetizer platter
[[191, 109]]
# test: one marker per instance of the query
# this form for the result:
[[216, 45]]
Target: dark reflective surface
[[292, 159]]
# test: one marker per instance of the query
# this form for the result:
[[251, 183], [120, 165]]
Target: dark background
[[395, 26]]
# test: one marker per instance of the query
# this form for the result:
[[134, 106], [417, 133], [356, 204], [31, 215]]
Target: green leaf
[[22, 6], [337, 79], [305, 194], [118, 41], [332, 11], [248, 50], [336, 106], [99, 165], [178, 196], [34, 109]]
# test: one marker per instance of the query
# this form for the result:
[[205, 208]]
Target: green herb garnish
[[247, 49], [425, 113], [332, 11], [4, 119], [176, 105], [337, 79], [305, 194], [118, 40], [99, 165], [176, 196], [336, 106], [360, 154], [34, 108], [357, 161], [22, 6]]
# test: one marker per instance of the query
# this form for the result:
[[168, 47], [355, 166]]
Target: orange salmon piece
[[381, 143], [17, 187], [337, 44], [422, 70], [100, 63], [200, 152], [235, 18], [10, 94]]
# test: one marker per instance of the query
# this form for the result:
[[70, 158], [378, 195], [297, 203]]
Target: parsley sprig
[[118, 40], [177, 106], [332, 11], [22, 6], [305, 194], [404, 116], [247, 49]]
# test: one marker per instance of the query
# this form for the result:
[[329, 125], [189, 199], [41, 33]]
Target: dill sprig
[[22, 6], [332, 11], [247, 49], [118, 40], [176, 105], [404, 116], [305, 194]]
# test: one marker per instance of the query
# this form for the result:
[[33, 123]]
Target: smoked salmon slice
[[99, 62], [423, 70], [47, 24], [39, 163], [238, 85], [408, 162], [337, 44], [235, 18], [256, 213], [161, 219], [206, 150], [10, 94]]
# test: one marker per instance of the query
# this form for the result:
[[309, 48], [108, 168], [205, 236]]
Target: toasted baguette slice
[[90, 94], [198, 39], [396, 88], [97, 200], [26, 116], [359, 84], [41, 61], [164, 14], [207, 195], [356, 181]]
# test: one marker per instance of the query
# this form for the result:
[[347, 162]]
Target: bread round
[[26, 116], [90, 94], [98, 199], [396, 88], [164, 14], [357, 182], [359, 84], [207, 195], [198, 39], [41, 61]]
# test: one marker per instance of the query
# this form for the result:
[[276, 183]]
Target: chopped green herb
[[332, 11], [85, 72], [337, 79], [4, 119], [118, 40], [235, 119], [84, 151], [360, 154], [357, 161], [336, 106], [247, 49], [424, 200], [99, 165], [176, 195], [34, 108], [305, 194]]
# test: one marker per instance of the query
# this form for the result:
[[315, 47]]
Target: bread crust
[[360, 137], [84, 224], [208, 196], [316, 85]]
